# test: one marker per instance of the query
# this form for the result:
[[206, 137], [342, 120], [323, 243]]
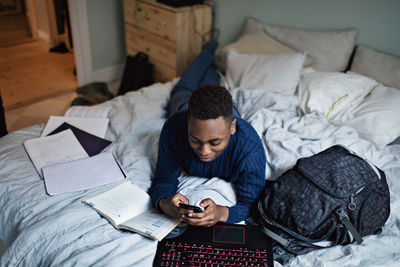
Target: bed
[[306, 105]]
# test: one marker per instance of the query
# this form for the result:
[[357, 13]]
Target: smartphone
[[190, 207]]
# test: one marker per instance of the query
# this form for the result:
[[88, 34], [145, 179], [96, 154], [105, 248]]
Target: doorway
[[29, 72], [14, 24]]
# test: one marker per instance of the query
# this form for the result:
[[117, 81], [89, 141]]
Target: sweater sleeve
[[168, 168], [248, 187]]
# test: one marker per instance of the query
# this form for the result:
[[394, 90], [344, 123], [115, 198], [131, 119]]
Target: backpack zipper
[[352, 205]]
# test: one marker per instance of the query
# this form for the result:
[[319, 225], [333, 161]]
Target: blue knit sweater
[[242, 163]]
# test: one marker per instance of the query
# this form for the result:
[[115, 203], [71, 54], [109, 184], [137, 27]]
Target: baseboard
[[44, 37], [107, 75]]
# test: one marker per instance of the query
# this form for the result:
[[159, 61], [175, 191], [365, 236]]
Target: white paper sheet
[[96, 126], [57, 148], [82, 174], [88, 112]]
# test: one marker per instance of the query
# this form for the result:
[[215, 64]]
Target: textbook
[[128, 207]]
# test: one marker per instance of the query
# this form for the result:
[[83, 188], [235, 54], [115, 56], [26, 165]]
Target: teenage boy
[[205, 137]]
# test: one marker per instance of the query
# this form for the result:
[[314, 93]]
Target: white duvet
[[39, 230]]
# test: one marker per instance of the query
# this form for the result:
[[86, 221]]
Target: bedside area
[[171, 37]]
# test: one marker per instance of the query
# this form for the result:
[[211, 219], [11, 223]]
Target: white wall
[[45, 24], [98, 38]]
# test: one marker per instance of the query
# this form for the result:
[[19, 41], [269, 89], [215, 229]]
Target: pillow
[[278, 73], [329, 50], [377, 117], [333, 94], [353, 100], [379, 66], [257, 42]]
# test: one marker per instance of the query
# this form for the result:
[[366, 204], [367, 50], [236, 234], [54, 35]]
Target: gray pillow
[[329, 50], [377, 65]]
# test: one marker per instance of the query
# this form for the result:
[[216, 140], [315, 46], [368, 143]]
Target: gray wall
[[377, 20], [106, 30]]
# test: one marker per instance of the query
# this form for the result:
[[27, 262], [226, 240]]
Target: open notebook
[[128, 207]]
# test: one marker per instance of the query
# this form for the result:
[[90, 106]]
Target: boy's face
[[208, 138]]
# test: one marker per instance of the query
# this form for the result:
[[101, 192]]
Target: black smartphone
[[190, 207]]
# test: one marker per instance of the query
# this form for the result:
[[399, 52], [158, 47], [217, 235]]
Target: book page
[[96, 126], [82, 174], [121, 203], [152, 224], [57, 148], [88, 112]]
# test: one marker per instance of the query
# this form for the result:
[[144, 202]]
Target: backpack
[[138, 72], [332, 198]]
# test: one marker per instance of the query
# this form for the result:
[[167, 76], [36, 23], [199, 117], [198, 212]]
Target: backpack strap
[[284, 242], [344, 219]]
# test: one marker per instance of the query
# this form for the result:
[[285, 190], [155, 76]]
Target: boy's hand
[[212, 214], [170, 205]]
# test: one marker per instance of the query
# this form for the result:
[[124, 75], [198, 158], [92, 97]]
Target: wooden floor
[[34, 83], [29, 72], [14, 30], [38, 112]]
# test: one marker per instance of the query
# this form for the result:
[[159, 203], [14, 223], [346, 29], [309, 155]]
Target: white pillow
[[377, 118], [333, 94], [276, 73], [257, 42], [329, 50], [379, 66]]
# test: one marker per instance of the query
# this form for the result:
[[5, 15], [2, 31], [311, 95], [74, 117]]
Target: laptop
[[220, 245]]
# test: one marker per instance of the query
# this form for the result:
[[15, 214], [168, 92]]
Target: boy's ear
[[233, 127]]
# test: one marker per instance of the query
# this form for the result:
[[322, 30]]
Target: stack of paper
[[68, 155]]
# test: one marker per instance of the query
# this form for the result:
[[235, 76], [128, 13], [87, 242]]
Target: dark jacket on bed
[[242, 163]]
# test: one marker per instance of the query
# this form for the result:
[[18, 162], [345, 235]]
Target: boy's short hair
[[211, 101]]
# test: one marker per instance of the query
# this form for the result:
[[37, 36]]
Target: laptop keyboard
[[192, 254]]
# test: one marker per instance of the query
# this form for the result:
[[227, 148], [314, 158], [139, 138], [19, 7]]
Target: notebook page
[[82, 174], [57, 148], [152, 224], [121, 203]]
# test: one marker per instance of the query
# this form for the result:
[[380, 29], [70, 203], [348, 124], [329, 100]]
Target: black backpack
[[332, 198], [138, 72]]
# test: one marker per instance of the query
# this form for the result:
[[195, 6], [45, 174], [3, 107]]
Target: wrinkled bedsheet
[[43, 230]]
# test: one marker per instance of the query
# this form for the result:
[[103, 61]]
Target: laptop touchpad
[[229, 234]]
